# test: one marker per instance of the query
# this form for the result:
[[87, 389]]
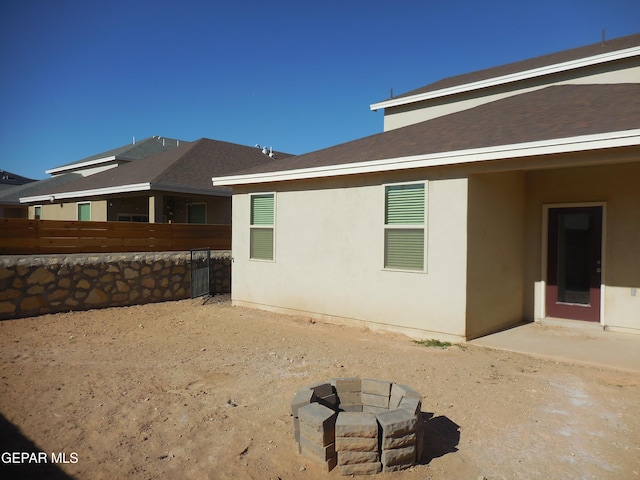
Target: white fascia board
[[512, 77], [582, 143], [51, 197], [76, 166]]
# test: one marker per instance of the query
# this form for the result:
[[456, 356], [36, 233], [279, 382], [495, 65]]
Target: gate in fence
[[200, 260]]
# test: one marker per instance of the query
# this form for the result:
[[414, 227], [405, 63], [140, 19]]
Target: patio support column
[[155, 208]]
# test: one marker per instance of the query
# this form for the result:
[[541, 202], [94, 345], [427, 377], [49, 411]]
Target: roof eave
[[52, 197], [132, 188], [511, 78], [582, 143]]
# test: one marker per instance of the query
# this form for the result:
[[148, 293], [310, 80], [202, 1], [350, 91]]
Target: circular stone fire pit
[[363, 426]]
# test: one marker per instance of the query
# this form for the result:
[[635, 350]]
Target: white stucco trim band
[[583, 143], [76, 166], [510, 78], [138, 187]]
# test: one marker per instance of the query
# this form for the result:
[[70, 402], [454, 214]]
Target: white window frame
[[78, 210], [411, 226], [272, 226], [37, 216]]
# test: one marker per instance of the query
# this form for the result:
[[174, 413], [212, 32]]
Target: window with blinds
[[261, 230], [404, 219]]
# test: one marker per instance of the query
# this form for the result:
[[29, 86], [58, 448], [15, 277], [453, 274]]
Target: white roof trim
[[502, 152], [51, 197], [137, 187], [76, 166], [512, 77]]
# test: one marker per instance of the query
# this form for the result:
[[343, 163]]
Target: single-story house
[[490, 198], [157, 180]]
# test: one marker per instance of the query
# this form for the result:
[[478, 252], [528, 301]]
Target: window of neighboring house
[[404, 227], [197, 213], [84, 211], [132, 217], [37, 212], [262, 226]]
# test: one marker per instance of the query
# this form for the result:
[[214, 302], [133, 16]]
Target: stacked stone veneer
[[363, 426], [36, 285]]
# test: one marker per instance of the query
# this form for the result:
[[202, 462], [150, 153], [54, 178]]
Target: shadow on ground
[[437, 435], [12, 440]]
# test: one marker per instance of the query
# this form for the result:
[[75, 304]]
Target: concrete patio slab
[[569, 341]]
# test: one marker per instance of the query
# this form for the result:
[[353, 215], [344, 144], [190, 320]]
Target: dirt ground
[[192, 390]]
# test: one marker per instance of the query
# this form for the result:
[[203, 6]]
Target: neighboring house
[[492, 198], [167, 187], [70, 172], [9, 201]]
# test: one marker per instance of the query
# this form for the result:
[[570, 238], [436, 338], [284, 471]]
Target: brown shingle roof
[[529, 64], [551, 113], [189, 166]]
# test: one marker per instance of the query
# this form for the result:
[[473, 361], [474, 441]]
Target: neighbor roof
[[610, 50], [36, 188], [133, 151], [549, 115], [183, 169]]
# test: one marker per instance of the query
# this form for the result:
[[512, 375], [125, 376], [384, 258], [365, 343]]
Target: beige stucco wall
[[627, 71], [329, 257], [495, 242], [616, 186], [69, 211]]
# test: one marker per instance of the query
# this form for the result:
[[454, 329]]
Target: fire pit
[[363, 426]]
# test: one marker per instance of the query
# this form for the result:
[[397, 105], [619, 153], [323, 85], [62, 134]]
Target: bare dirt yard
[[192, 390]]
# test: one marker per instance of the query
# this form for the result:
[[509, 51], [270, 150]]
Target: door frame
[[544, 257]]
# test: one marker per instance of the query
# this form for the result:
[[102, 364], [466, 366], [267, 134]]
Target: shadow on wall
[[11, 441], [438, 436]]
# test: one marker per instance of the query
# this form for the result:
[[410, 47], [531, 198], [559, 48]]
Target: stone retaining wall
[[36, 285]]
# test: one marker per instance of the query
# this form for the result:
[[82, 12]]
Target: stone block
[[375, 400], [398, 456], [406, 391], [398, 442], [356, 444], [348, 457], [376, 387], [302, 397], [330, 401], [350, 407], [411, 405], [351, 424], [396, 397], [323, 437], [373, 410], [360, 469], [321, 452], [321, 389], [397, 423], [317, 417], [350, 398], [328, 465], [347, 384], [398, 467]]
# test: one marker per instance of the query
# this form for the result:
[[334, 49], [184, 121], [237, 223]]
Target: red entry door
[[574, 263]]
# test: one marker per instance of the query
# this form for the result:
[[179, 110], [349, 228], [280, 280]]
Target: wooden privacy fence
[[30, 237]]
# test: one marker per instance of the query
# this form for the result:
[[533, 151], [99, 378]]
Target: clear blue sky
[[78, 77]]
